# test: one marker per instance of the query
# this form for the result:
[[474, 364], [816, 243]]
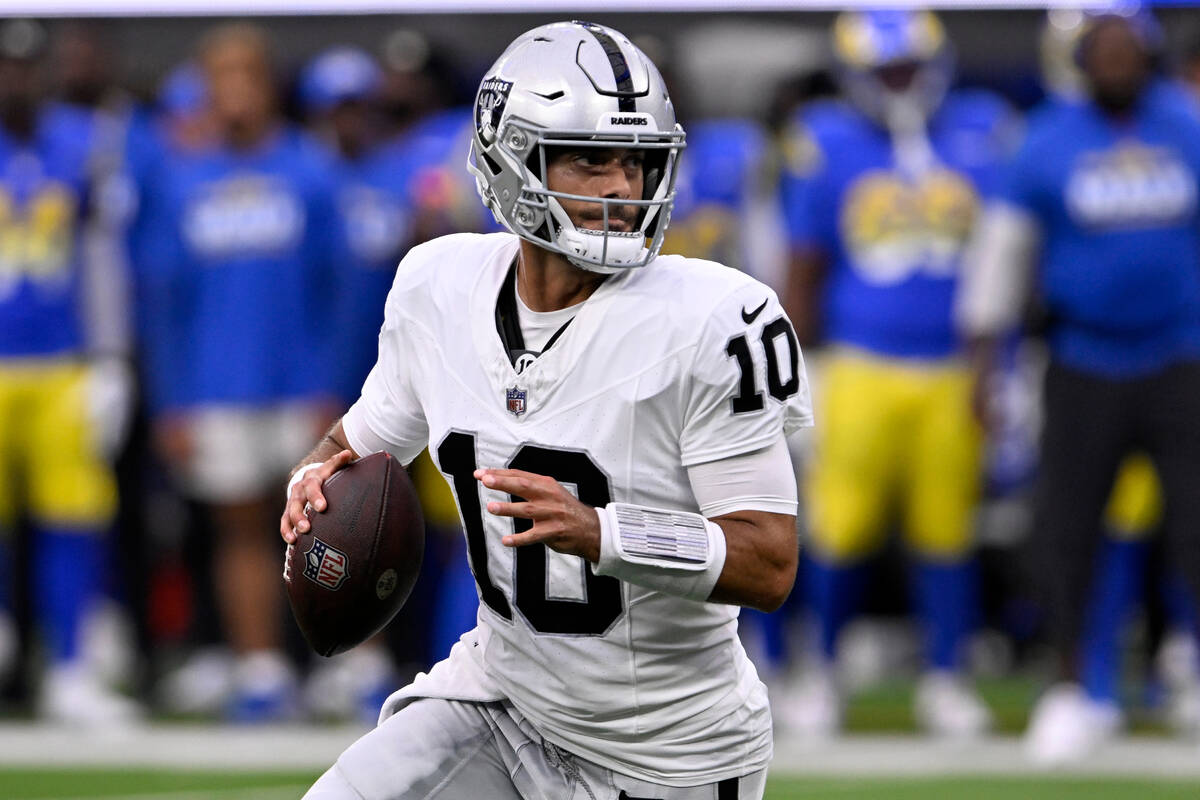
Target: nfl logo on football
[[515, 399], [325, 565]]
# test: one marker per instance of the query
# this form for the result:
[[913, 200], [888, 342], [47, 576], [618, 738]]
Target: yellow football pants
[[896, 442], [49, 466], [1135, 506]]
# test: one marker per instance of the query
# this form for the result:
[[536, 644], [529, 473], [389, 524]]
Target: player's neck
[[548, 282]]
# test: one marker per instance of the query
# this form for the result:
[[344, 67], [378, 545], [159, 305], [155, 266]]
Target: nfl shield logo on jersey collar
[[515, 401]]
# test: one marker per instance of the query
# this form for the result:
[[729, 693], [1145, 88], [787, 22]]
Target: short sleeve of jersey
[[388, 414], [747, 383]]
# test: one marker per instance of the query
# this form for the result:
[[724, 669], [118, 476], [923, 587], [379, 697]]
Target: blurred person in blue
[[1099, 221], [236, 246], [64, 378], [879, 195], [1131, 570], [339, 93], [432, 121]]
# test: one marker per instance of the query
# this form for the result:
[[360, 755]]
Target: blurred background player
[[237, 245], [339, 91], [1101, 205], [429, 111], [64, 379], [881, 193], [1131, 570]]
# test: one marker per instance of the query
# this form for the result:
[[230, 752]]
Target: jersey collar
[[555, 363]]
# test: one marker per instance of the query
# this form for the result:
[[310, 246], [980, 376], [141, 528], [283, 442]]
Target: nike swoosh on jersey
[[750, 316]]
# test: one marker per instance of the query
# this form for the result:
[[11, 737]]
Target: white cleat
[[812, 708], [948, 707], [1178, 667], [201, 685], [1067, 726], [352, 685], [72, 694]]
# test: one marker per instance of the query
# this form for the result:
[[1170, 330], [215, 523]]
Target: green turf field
[[67, 784]]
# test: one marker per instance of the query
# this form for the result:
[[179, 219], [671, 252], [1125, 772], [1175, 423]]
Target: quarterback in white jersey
[[612, 423]]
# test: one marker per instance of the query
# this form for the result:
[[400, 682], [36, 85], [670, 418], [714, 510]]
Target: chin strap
[[601, 251]]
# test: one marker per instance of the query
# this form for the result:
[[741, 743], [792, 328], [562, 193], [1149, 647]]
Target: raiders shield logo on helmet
[[489, 105]]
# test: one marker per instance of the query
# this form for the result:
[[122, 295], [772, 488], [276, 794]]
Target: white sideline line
[[916, 756], [192, 747], [314, 748]]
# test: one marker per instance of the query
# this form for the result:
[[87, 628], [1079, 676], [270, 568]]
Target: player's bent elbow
[[770, 591], [777, 593]]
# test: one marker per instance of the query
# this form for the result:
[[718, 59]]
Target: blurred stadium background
[[152, 642]]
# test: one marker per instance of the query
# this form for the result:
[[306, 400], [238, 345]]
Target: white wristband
[[674, 552], [299, 476]]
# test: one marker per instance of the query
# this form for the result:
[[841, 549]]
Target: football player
[[64, 377], [1100, 208], [612, 423], [1134, 511], [879, 197], [238, 229]]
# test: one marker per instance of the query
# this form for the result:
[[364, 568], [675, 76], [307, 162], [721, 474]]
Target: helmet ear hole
[[491, 164]]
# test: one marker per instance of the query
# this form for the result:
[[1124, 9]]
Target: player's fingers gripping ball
[[305, 491], [352, 568]]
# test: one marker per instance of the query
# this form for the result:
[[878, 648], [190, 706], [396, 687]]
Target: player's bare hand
[[560, 520], [307, 492]]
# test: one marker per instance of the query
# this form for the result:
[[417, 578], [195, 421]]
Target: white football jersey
[[678, 363]]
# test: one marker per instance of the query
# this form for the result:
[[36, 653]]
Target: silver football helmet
[[574, 84]]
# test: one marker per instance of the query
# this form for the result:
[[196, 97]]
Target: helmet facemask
[[530, 209]]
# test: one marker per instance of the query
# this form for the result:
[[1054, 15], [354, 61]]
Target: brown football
[[354, 568]]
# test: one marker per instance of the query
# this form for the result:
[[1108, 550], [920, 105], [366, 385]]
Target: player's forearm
[[761, 554], [332, 443]]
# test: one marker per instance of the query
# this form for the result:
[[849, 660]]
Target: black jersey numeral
[[602, 604], [749, 398], [456, 454]]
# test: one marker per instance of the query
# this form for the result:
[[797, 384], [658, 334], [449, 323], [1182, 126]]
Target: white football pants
[[454, 750]]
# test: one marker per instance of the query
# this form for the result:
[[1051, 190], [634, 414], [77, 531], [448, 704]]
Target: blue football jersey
[[237, 257], [443, 192], [893, 241], [44, 195], [1120, 229], [713, 191], [374, 205]]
